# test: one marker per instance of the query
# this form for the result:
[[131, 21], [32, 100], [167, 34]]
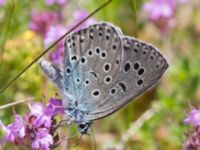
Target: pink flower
[[193, 136], [37, 128], [2, 2], [41, 116], [193, 118], [56, 56], [15, 130], [157, 9], [54, 107], [58, 2], [43, 140], [53, 34], [43, 121], [79, 15], [36, 109], [162, 12], [50, 110], [192, 141], [41, 21]]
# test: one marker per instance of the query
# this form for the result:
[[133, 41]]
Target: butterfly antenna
[[79, 140], [9, 83], [43, 98], [93, 139], [61, 123], [64, 122], [62, 139]]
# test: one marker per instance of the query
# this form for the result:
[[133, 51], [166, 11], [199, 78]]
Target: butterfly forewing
[[92, 61]]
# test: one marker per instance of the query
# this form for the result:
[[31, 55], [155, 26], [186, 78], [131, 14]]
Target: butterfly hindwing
[[142, 65]]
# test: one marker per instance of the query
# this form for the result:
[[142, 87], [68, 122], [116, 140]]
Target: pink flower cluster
[[47, 25], [58, 2], [79, 16], [50, 26], [36, 130], [161, 12], [41, 21], [193, 138], [2, 2]]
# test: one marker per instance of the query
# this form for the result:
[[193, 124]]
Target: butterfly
[[103, 70]]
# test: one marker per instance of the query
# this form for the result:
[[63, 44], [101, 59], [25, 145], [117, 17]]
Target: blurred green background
[[152, 122]]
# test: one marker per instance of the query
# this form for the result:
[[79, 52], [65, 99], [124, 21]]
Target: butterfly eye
[[82, 125]]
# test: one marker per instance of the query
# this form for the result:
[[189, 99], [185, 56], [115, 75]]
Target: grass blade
[[15, 103]]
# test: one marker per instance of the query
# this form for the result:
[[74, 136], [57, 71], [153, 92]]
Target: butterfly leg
[[53, 73]]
